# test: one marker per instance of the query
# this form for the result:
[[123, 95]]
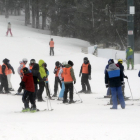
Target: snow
[[90, 120]]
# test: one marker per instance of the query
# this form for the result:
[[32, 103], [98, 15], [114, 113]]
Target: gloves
[[122, 83], [55, 70], [126, 77], [79, 74], [13, 72], [74, 82], [44, 78], [89, 77], [107, 85]]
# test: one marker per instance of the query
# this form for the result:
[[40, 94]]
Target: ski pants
[[9, 80], [130, 61], [85, 83], [28, 97], [40, 91], [51, 51], [68, 87], [117, 92], [57, 80], [47, 89], [9, 30], [61, 94], [36, 89], [0, 80], [4, 83], [108, 91], [20, 88]]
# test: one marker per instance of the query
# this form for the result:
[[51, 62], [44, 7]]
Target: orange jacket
[[85, 68], [30, 67], [6, 69], [9, 71], [67, 75], [57, 72], [0, 69], [51, 43]]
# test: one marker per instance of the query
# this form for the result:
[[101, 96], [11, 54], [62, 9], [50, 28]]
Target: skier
[[20, 71], [69, 77], [9, 29], [41, 83], [114, 77], [0, 75], [57, 80], [129, 57], [28, 84], [86, 75], [47, 82], [61, 77], [108, 90], [36, 77], [32, 62], [120, 65], [9, 74], [4, 81], [51, 43]]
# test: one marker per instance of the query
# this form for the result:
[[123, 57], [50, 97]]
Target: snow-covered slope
[[90, 120]]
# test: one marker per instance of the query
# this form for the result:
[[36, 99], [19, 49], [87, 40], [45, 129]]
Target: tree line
[[90, 20]]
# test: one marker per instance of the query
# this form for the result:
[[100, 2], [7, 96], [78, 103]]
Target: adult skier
[[69, 78], [129, 57], [9, 29], [61, 77], [47, 82], [32, 62], [28, 84], [36, 77], [86, 76], [51, 43], [4, 81], [9, 74], [114, 79], [41, 83], [20, 71], [57, 80]]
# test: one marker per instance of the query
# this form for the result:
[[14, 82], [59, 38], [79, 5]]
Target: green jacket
[[41, 69], [129, 53], [71, 72]]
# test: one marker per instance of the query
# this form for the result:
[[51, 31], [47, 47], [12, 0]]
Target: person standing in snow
[[28, 84], [10, 71], [86, 76], [61, 77], [57, 80], [9, 29], [51, 43], [0, 75], [114, 79], [20, 71], [4, 81], [36, 77], [69, 78], [32, 62], [47, 82], [129, 57], [41, 83]]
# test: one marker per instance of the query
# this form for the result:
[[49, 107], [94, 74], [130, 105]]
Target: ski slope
[[90, 120]]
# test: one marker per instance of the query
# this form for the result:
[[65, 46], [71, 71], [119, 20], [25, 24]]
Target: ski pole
[[78, 94], [130, 91], [49, 87], [47, 97]]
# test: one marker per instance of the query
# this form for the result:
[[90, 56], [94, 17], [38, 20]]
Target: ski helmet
[[32, 61], [120, 61], [70, 63], [25, 60], [85, 58], [64, 63], [57, 63], [25, 69]]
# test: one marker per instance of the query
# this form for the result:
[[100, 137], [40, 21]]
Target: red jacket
[[29, 82]]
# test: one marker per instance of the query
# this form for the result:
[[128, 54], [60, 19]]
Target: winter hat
[[85, 58], [70, 63], [32, 61], [25, 69], [45, 65]]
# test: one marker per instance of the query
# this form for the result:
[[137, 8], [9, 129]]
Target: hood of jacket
[[112, 67], [41, 62], [68, 66]]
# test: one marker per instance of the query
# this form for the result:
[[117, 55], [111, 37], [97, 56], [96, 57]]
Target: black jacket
[[115, 81], [122, 69], [10, 67], [36, 74]]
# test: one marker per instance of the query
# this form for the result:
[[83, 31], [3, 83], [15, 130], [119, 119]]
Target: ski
[[34, 112]]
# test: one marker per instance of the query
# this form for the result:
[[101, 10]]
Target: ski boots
[[26, 110]]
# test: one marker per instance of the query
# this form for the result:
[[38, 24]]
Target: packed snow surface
[[90, 120]]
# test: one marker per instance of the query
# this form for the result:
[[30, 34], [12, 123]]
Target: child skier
[[9, 29], [28, 84]]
